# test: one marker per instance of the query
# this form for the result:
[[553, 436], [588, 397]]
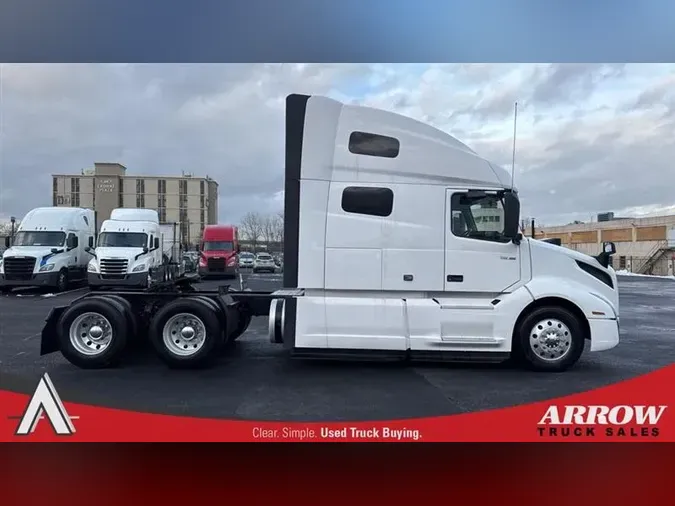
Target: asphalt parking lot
[[257, 381]]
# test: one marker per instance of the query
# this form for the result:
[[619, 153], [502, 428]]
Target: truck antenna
[[513, 159]]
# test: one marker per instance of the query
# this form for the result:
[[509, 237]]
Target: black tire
[[527, 340], [114, 351], [125, 307], [62, 281], [213, 338], [5, 289]]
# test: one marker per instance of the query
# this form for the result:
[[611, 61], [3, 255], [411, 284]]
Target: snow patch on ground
[[626, 273]]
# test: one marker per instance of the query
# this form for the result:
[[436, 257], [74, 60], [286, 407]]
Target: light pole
[[12, 220]]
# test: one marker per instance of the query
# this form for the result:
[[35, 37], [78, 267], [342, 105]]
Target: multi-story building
[[190, 202]]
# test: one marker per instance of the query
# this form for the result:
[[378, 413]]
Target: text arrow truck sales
[[593, 420]]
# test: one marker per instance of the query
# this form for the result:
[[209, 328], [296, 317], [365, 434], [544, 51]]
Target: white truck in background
[[49, 249], [134, 250]]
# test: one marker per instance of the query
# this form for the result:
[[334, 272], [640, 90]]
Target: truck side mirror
[[91, 242], [608, 249], [156, 245], [238, 248], [7, 244], [512, 217]]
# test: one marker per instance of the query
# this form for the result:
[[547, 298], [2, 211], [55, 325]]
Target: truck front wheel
[[186, 333], [62, 281], [549, 339]]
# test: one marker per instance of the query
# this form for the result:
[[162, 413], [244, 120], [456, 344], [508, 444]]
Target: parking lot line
[[64, 293]]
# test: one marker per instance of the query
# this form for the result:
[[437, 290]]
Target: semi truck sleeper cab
[[400, 243]]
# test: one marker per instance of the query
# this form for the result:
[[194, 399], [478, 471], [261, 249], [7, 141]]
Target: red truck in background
[[218, 250]]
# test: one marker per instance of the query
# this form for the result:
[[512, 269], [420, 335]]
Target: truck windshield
[[122, 239], [39, 238], [218, 246]]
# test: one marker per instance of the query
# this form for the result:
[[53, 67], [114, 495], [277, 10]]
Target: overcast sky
[[591, 138]]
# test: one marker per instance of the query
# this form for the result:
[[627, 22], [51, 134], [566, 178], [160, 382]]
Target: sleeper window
[[368, 200]]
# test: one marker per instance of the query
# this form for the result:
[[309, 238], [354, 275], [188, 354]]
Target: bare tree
[[6, 227], [278, 227], [267, 229], [252, 228]]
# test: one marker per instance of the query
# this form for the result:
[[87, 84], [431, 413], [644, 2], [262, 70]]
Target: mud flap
[[50, 343]]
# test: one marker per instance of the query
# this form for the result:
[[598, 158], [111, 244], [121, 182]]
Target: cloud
[[591, 138]]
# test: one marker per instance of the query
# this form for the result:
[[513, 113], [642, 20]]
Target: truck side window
[[478, 217], [363, 143], [368, 200]]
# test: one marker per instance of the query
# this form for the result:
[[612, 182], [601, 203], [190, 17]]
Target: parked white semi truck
[[384, 259], [134, 250], [48, 249]]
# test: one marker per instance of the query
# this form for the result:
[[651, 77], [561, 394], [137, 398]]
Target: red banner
[[636, 410]]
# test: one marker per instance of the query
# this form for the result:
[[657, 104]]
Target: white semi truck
[[385, 258], [48, 249], [134, 250]]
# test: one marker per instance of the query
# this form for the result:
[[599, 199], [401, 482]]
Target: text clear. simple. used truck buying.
[[400, 242], [133, 250], [48, 249]]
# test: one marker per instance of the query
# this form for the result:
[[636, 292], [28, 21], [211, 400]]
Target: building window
[[183, 211], [368, 200], [363, 143], [75, 191], [201, 188], [161, 200], [120, 195], [140, 193]]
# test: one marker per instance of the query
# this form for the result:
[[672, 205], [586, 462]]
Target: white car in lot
[[264, 263], [246, 260]]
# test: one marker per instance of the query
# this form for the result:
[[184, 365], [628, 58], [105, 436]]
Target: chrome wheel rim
[[90, 334], [184, 334], [550, 340]]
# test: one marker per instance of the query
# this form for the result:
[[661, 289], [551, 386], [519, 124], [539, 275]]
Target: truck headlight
[[139, 268], [91, 267], [231, 262], [46, 267]]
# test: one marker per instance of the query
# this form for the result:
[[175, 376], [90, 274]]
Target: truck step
[[486, 341]]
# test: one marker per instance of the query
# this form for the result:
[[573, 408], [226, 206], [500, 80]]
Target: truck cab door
[[478, 257]]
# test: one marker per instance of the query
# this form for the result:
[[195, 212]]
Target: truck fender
[[593, 306], [49, 340]]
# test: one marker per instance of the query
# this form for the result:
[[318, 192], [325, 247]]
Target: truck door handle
[[455, 278]]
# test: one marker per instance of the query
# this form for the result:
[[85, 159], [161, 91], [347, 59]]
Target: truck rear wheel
[[549, 339], [125, 306], [186, 333], [92, 333]]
